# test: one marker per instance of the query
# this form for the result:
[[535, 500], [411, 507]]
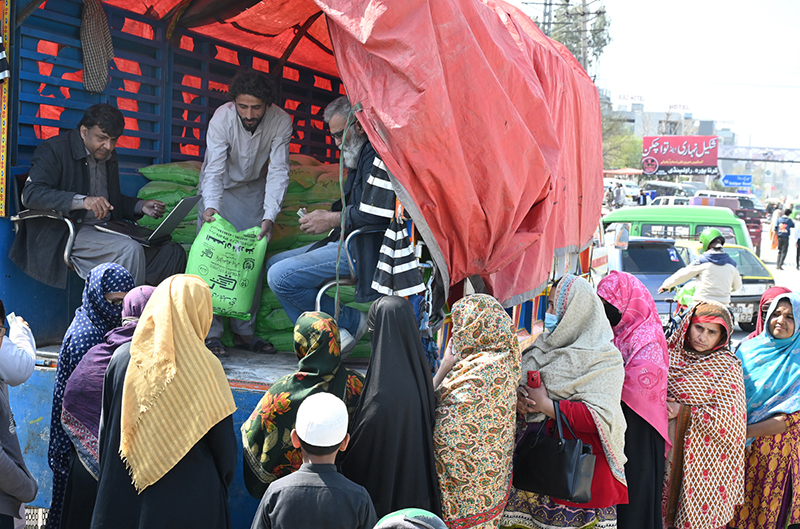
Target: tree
[[621, 148], [567, 29]]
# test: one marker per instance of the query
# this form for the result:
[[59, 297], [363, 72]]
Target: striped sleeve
[[398, 271], [4, 69], [378, 197]]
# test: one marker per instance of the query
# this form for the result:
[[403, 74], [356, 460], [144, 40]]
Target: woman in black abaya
[[391, 436]]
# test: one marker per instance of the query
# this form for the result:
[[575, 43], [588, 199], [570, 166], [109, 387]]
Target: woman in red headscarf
[[704, 478], [763, 306]]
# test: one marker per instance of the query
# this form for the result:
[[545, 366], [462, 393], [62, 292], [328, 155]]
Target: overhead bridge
[[759, 154]]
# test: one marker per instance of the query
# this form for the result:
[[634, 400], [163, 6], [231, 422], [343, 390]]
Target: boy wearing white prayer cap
[[317, 495]]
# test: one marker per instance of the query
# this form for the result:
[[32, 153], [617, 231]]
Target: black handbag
[[554, 466]]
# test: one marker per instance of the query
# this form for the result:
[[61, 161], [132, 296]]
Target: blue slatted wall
[[167, 90]]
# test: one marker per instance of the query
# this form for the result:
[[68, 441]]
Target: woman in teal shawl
[[268, 450], [771, 366]]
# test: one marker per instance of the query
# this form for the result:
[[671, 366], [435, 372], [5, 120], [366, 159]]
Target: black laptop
[[146, 236]]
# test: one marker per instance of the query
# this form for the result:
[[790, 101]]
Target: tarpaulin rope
[[351, 120]]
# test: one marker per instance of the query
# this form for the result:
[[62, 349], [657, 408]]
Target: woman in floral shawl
[[704, 475], [639, 337], [771, 381], [473, 438], [268, 450]]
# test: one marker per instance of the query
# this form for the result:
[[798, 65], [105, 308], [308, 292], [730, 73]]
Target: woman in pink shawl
[[640, 338]]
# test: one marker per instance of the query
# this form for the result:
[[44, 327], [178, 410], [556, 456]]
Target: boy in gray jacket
[[17, 360]]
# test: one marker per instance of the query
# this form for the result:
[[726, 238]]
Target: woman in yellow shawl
[[167, 443]]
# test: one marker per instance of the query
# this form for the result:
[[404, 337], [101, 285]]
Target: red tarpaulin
[[490, 129]]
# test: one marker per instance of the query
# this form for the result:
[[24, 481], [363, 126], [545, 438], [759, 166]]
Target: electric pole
[[547, 17], [584, 36]]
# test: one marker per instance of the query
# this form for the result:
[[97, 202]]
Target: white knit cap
[[322, 420]]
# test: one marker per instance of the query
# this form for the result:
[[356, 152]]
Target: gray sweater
[[17, 360]]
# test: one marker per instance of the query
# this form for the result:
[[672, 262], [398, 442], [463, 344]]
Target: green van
[[680, 222]]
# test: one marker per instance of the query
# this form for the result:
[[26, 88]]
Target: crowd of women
[[687, 433]]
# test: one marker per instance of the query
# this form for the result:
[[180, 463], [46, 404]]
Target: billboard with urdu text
[[679, 155]]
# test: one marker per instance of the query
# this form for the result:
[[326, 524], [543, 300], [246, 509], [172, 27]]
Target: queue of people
[[686, 432]]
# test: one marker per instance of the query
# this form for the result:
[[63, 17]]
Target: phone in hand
[[534, 379]]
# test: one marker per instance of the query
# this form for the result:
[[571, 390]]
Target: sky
[[734, 62]]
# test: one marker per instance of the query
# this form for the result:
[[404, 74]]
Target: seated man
[[295, 276], [77, 174]]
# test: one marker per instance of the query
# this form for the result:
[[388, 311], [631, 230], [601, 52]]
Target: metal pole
[[547, 17], [584, 36]]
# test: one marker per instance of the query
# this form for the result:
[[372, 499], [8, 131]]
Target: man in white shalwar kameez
[[244, 179]]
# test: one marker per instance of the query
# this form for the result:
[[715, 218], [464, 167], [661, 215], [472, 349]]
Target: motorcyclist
[[715, 271]]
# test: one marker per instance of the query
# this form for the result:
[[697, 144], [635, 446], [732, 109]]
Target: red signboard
[[670, 155]]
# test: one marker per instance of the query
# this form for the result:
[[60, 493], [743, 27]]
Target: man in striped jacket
[[295, 276]]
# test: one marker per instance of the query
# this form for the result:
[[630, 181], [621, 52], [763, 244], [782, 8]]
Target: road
[[789, 277]]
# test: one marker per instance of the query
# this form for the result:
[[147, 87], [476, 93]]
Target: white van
[[670, 201]]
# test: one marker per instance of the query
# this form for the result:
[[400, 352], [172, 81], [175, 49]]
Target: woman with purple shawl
[[80, 414]]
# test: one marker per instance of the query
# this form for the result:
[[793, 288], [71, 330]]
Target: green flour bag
[[230, 262]]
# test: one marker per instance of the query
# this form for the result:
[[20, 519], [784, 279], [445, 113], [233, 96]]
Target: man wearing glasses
[[244, 178], [295, 276]]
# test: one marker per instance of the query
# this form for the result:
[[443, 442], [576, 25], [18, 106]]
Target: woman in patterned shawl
[[473, 437], [100, 311], [80, 415], [771, 379], [704, 476], [638, 335], [268, 450], [582, 369]]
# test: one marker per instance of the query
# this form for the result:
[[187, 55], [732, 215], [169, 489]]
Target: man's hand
[[154, 208], [662, 289], [208, 214], [266, 230], [100, 205], [320, 221]]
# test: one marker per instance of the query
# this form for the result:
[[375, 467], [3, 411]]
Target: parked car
[[680, 222], [670, 201], [756, 279], [651, 260]]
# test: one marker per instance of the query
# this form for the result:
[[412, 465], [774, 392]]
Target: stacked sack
[[312, 185], [169, 183]]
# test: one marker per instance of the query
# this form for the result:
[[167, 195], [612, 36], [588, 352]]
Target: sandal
[[257, 345], [217, 348]]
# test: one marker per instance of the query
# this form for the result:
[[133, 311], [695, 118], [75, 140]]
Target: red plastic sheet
[[491, 129]]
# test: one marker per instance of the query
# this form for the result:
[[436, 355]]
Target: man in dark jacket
[[77, 174], [783, 227], [295, 276]]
